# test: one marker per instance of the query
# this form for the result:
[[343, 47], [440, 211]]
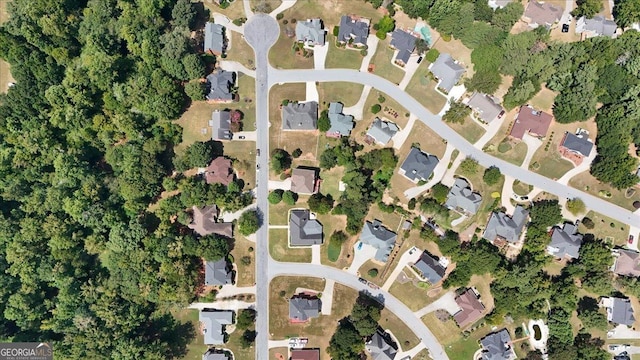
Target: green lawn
[[588, 183], [345, 92], [382, 60], [470, 130], [511, 151], [603, 229], [333, 250], [422, 88], [280, 250], [281, 54], [341, 58], [521, 188]]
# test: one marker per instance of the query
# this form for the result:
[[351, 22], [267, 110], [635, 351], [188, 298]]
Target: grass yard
[[274, 352], [345, 92], [543, 100], [586, 182], [603, 230], [422, 88], [342, 58], [383, 61], [281, 54], [280, 250], [409, 293], [196, 347], [422, 355], [245, 273], [345, 254], [470, 130], [245, 160], [509, 150], [331, 181], [521, 188], [269, 5], [238, 351], [456, 49], [234, 11], [406, 337], [240, 50], [390, 109]]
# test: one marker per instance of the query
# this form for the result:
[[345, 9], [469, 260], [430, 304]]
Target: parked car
[[419, 60], [630, 239], [241, 137], [257, 167], [363, 281], [258, 152], [565, 28]]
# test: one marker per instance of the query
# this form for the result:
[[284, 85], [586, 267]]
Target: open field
[[280, 250], [345, 92], [470, 130], [245, 274], [586, 182], [422, 88], [383, 59], [603, 229], [240, 50]]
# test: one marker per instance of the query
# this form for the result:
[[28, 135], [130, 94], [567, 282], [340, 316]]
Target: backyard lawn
[[470, 130], [422, 88], [587, 183], [280, 250], [234, 11], [331, 181], [345, 92], [196, 347], [383, 59], [456, 49]]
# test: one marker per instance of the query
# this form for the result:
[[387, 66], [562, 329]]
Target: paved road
[[435, 122], [261, 32], [390, 302]]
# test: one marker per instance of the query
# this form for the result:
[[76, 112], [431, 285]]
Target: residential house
[[205, 222], [598, 26], [565, 242], [498, 4], [220, 86], [485, 107], [305, 181], [530, 120], [542, 13], [430, 268], [627, 262], [622, 356], [221, 125], [305, 354], [471, 309], [300, 116], [217, 273], [219, 171], [381, 347], [302, 308], [418, 165], [619, 310], [382, 131], [497, 346], [304, 231], [213, 323], [405, 42], [311, 32], [214, 39], [215, 354], [353, 29], [505, 227], [341, 124], [381, 238], [575, 147], [447, 71], [461, 198]]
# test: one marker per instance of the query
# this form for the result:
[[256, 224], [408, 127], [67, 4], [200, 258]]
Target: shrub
[[372, 272], [246, 260], [296, 153], [432, 55], [363, 52], [169, 184], [576, 206], [491, 176], [381, 34], [336, 30], [279, 16], [289, 197], [412, 204], [285, 21], [381, 99], [275, 196], [376, 108]]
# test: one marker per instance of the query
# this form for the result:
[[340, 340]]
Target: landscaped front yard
[[345, 92], [342, 58], [618, 233], [469, 129], [587, 183], [410, 291], [280, 250], [382, 60], [422, 88]]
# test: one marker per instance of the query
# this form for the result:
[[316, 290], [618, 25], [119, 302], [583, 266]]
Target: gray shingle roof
[[302, 230], [487, 108], [214, 323], [340, 123], [382, 131], [220, 85], [311, 31], [598, 25], [577, 143], [378, 236], [447, 71], [221, 125], [213, 354], [496, 346], [302, 308], [353, 28], [217, 273], [461, 197], [300, 116], [429, 267], [418, 165], [506, 227], [405, 42], [214, 38], [621, 312], [565, 242], [380, 348]]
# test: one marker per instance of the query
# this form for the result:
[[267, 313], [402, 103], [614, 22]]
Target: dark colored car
[[565, 28], [363, 281], [241, 137], [258, 152], [419, 60]]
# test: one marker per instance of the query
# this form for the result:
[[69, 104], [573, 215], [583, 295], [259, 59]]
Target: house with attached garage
[[304, 180], [532, 121], [341, 124], [381, 347], [405, 43], [353, 30], [627, 262], [213, 323], [311, 32], [461, 198], [565, 242], [300, 116], [383, 240], [303, 229], [214, 39], [205, 222], [219, 171], [471, 309], [430, 268], [418, 166], [575, 147], [303, 308], [447, 71], [486, 108], [305, 354], [215, 354], [217, 273], [619, 310], [497, 346], [502, 227], [381, 132], [540, 13], [221, 86], [221, 125], [598, 26]]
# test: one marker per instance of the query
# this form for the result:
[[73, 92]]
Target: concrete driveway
[[533, 144], [635, 232], [445, 302], [409, 257], [438, 173], [282, 185], [401, 136], [248, 136], [372, 45], [312, 91], [409, 69], [327, 297], [237, 67], [361, 256], [623, 332], [224, 305], [320, 55], [226, 22], [507, 192], [357, 110]]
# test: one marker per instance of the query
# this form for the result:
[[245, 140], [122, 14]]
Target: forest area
[[86, 145]]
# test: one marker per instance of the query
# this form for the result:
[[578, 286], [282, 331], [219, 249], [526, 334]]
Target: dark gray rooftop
[[380, 346], [340, 123], [578, 143], [214, 354], [430, 268], [311, 31], [214, 323], [382, 131], [405, 42], [447, 71], [220, 85], [418, 165], [303, 308], [221, 125], [214, 38], [621, 312], [353, 28], [505, 226], [461, 197], [565, 242], [300, 116], [302, 230], [217, 273], [496, 346], [378, 236]]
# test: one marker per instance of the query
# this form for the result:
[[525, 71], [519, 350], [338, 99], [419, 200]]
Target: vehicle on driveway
[[363, 281], [419, 60], [630, 239], [241, 137], [565, 28]]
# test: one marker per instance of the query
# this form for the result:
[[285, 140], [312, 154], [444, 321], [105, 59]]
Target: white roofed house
[[598, 26], [381, 131], [447, 71], [379, 237], [485, 107], [311, 32]]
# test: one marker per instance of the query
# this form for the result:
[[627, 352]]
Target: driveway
[[372, 45], [623, 332], [320, 55], [438, 173], [635, 232], [282, 185], [409, 257], [232, 290], [533, 144], [445, 302], [227, 23], [312, 91], [315, 254], [401, 136], [360, 256], [247, 136], [234, 305], [409, 69], [236, 66], [327, 296], [357, 110], [231, 216], [507, 192]]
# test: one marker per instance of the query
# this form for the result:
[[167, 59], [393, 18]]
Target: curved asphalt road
[[435, 123]]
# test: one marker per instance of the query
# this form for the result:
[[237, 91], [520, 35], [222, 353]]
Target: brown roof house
[[542, 13], [627, 262], [471, 308], [531, 120], [305, 354], [219, 171], [304, 181], [205, 222]]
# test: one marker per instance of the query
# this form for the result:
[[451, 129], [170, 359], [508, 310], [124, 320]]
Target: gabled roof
[[579, 144], [310, 30], [545, 14], [213, 322], [627, 263], [598, 25], [303, 308], [496, 346], [430, 268], [565, 242], [495, 4], [418, 165], [620, 311], [219, 171], [470, 308], [304, 231], [352, 27], [404, 42], [382, 131], [378, 236], [380, 346], [220, 85], [461, 197], [303, 180], [487, 107], [300, 116], [447, 71], [205, 222], [213, 38], [214, 354], [340, 123], [534, 121], [221, 125], [217, 273], [305, 354], [505, 226]]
